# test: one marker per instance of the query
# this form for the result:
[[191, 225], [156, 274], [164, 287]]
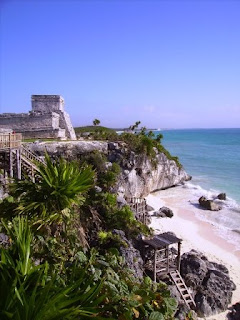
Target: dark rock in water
[[222, 196], [133, 259], [164, 212], [209, 204], [210, 282], [235, 312]]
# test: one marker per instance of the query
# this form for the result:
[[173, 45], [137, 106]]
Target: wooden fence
[[10, 140]]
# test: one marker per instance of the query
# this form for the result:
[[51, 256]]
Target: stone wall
[[47, 103], [46, 120], [26, 122]]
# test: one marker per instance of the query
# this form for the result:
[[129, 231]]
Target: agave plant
[[31, 292], [60, 185]]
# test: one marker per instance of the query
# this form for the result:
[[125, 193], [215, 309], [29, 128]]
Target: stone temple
[[46, 120]]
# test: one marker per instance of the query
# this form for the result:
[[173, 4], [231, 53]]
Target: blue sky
[[169, 64]]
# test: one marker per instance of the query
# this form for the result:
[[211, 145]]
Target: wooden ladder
[[183, 289]]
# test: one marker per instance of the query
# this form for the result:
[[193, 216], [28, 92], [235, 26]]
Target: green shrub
[[143, 143]]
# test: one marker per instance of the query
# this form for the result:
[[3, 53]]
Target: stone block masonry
[[46, 120]]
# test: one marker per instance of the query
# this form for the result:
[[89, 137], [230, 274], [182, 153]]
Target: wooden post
[[179, 256], [10, 163], [155, 266], [32, 174], [18, 156], [167, 251]]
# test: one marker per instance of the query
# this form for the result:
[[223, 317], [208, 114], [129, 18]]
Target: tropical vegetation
[[61, 259], [141, 141]]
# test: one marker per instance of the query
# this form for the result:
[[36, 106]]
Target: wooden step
[[182, 288]]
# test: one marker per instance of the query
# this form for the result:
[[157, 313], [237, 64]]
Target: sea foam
[[226, 221]]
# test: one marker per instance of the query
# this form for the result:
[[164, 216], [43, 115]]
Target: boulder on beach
[[149, 208], [234, 314], [208, 204], [164, 212], [222, 196], [210, 283]]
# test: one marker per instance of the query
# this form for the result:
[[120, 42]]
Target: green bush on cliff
[[143, 143], [89, 286], [51, 273], [96, 133]]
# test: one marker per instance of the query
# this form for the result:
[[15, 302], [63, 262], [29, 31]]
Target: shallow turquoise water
[[211, 156]]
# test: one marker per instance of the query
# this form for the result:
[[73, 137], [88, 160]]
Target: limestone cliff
[[139, 175]]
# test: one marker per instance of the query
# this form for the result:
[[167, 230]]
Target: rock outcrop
[[222, 196], [234, 314], [208, 204], [139, 175], [132, 257], [211, 285], [163, 212]]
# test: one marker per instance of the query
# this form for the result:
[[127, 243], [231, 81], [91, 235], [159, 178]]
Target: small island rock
[[208, 204], [222, 196]]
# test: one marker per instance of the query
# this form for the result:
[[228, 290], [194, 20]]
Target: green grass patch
[[93, 129], [46, 139]]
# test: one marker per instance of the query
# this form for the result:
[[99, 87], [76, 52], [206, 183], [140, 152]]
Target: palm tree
[[135, 126], [61, 184], [150, 134], [159, 137], [96, 122]]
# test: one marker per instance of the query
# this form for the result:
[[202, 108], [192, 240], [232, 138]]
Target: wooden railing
[[10, 140], [138, 205], [31, 156]]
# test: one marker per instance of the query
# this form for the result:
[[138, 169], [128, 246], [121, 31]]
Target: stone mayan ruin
[[46, 120]]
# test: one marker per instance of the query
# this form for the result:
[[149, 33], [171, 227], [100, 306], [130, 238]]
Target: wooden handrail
[[31, 156], [10, 140]]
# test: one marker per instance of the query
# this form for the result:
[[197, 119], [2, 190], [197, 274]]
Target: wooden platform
[[160, 256], [10, 141]]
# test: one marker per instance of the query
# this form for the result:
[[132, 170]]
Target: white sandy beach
[[196, 234]]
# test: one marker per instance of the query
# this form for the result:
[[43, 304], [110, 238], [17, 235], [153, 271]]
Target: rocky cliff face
[[139, 175], [210, 283]]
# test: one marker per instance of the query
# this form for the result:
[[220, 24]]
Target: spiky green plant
[[32, 292], [61, 184]]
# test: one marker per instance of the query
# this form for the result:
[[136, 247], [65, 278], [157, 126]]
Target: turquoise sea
[[212, 158]]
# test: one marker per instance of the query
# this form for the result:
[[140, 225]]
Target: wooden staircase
[[29, 162], [16, 160], [183, 289]]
